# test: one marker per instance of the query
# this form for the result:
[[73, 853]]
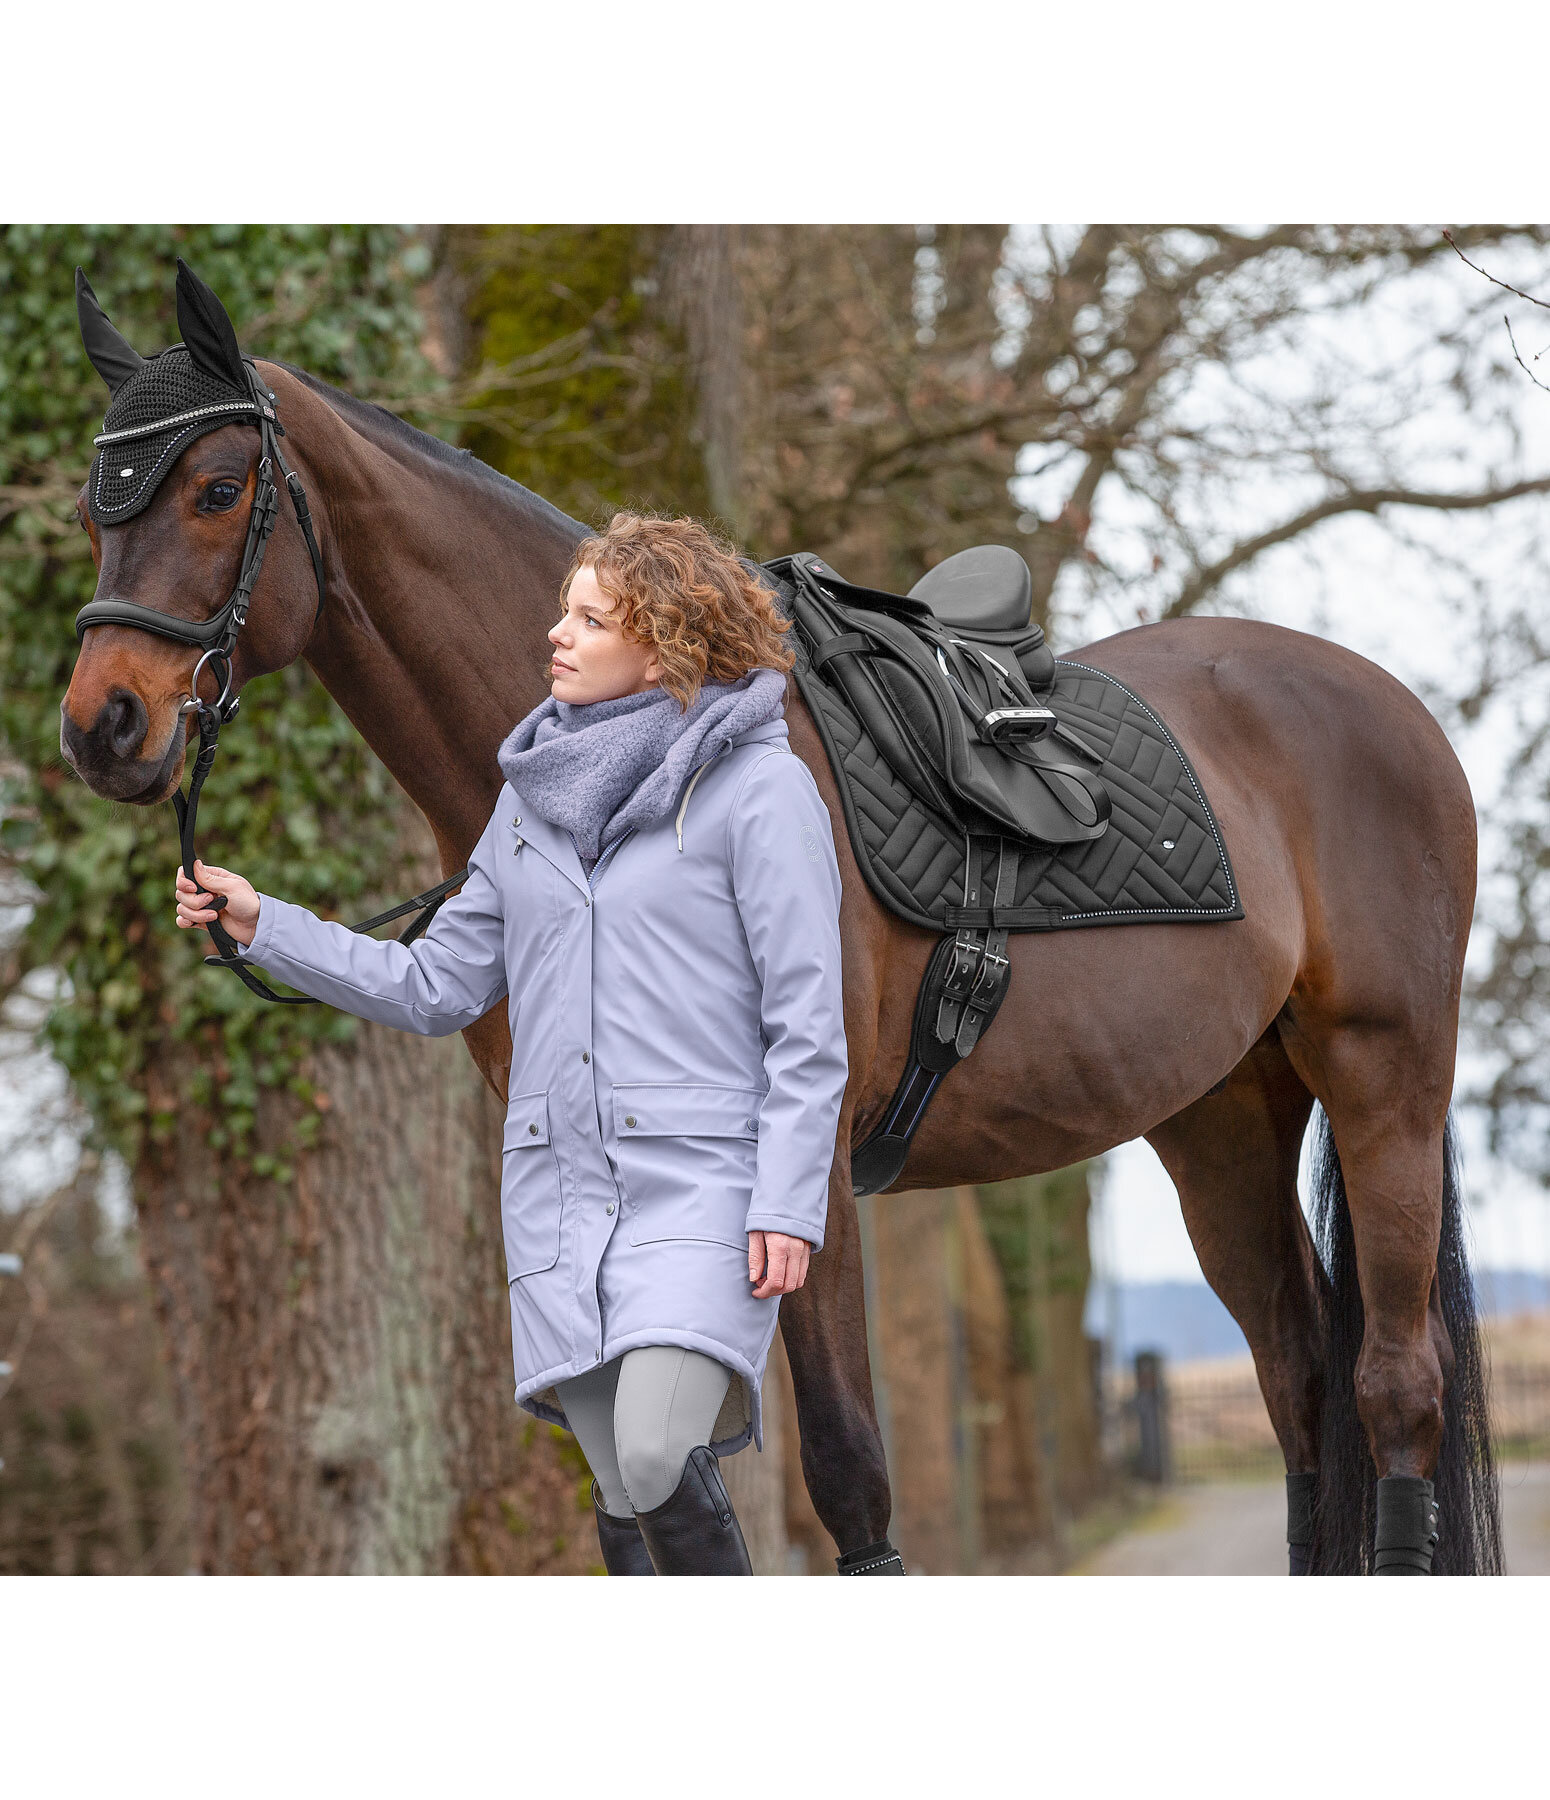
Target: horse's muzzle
[[108, 755]]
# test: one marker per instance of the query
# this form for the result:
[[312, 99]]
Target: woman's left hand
[[777, 1264]]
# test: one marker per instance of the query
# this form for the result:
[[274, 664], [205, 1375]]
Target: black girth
[[216, 640]]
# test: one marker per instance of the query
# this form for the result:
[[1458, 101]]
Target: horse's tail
[[1347, 1511]]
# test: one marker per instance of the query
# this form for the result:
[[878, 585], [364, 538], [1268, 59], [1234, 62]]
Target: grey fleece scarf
[[598, 770]]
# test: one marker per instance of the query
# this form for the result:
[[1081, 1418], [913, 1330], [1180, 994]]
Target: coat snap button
[[533, 1129], [586, 903], [629, 1118], [585, 1056], [609, 1208]]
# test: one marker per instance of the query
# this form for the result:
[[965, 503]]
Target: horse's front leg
[[823, 1325]]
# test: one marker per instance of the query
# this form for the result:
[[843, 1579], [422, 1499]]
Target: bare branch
[[1518, 359], [1491, 278], [1369, 500]]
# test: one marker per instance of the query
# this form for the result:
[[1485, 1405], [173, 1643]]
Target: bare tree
[[1126, 400]]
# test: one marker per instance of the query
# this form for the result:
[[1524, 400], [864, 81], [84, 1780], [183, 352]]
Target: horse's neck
[[442, 586]]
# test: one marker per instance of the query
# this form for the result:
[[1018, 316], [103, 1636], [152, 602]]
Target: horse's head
[[168, 506]]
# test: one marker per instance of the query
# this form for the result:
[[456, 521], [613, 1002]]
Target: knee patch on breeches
[[666, 1406]]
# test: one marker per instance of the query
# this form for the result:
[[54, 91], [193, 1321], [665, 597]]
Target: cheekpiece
[[151, 421]]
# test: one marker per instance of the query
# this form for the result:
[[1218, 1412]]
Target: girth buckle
[[989, 985], [965, 959]]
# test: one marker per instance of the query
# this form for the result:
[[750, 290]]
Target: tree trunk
[[1080, 1472], [1014, 1508], [701, 295], [340, 1345], [915, 1342], [969, 1493]]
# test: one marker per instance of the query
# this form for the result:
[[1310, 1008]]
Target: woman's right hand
[[239, 915]]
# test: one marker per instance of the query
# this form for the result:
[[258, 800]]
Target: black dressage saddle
[[947, 681], [988, 788]]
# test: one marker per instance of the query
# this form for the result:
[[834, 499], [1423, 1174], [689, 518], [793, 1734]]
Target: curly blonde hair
[[685, 591]]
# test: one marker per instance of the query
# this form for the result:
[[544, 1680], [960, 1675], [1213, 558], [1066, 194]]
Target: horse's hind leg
[[1233, 1158], [1405, 1324]]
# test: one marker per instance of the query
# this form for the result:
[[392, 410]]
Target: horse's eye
[[221, 495]]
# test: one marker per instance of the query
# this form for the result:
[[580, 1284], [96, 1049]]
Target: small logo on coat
[[810, 843]]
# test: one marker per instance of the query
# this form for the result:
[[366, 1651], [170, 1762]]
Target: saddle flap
[[909, 702]]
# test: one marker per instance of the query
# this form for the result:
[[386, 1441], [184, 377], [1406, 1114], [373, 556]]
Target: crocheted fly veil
[[160, 404]]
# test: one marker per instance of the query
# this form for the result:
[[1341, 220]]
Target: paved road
[[1236, 1529]]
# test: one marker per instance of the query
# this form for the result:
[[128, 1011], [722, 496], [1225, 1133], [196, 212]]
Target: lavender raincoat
[[678, 1056]]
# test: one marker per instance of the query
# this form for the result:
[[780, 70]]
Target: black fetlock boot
[[1407, 1526], [876, 1559], [624, 1549], [1300, 1492], [695, 1531]]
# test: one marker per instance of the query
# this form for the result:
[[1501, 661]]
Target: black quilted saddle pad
[[1162, 859]]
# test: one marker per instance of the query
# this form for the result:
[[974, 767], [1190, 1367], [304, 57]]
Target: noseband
[[216, 640]]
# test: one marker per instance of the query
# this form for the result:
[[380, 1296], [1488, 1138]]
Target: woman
[[672, 973]]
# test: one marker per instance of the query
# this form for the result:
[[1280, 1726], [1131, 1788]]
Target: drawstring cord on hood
[[678, 823]]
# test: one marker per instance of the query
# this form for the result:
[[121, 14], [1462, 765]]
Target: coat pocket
[[530, 1188], [687, 1155]]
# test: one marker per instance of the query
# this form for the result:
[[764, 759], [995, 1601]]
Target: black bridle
[[216, 640]]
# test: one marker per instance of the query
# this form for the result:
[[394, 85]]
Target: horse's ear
[[112, 355], [207, 331]]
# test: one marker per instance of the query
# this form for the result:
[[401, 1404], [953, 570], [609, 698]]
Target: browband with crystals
[[184, 418]]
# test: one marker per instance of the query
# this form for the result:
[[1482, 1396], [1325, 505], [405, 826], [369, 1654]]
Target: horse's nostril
[[122, 723]]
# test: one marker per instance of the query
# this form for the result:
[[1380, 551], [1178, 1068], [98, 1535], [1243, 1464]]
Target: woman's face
[[593, 660]]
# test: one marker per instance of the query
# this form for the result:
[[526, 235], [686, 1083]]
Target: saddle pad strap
[[1009, 918]]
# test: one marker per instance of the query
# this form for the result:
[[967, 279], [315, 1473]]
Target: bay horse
[[1352, 834]]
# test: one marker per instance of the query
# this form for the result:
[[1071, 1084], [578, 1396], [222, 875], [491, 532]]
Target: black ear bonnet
[[160, 404]]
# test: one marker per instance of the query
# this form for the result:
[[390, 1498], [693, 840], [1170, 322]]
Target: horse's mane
[[377, 423]]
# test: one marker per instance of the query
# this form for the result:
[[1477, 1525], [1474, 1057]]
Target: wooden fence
[[1206, 1421]]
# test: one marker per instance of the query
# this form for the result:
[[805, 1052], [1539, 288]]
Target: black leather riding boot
[[623, 1547], [695, 1531]]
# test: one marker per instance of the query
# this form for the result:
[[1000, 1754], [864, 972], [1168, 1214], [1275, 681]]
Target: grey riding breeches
[[638, 1417]]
